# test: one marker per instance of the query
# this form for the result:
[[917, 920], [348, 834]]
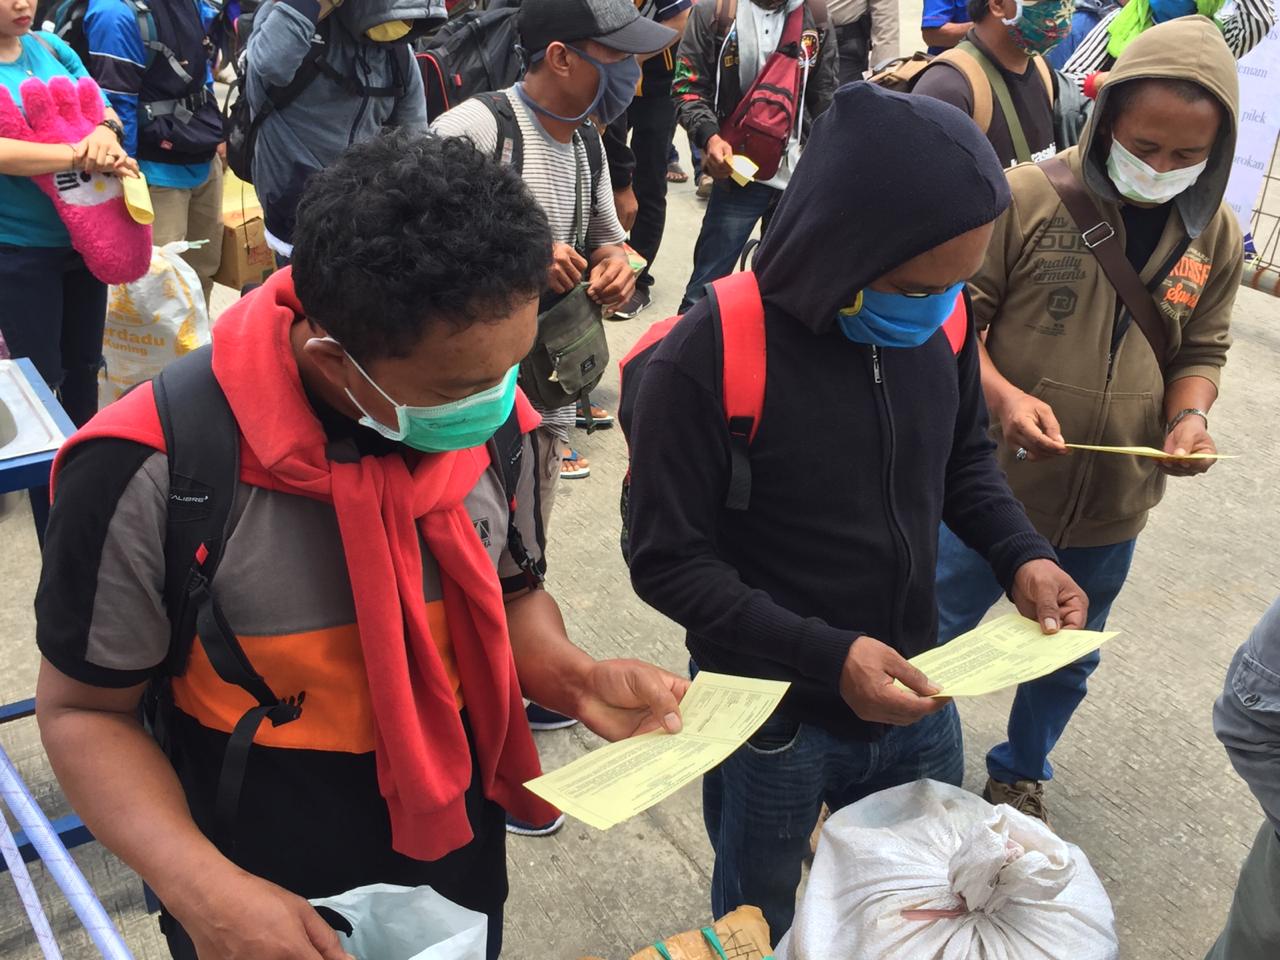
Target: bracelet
[[115, 128], [72, 148], [1182, 415]]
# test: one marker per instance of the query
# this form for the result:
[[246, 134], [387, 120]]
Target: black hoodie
[[861, 452]]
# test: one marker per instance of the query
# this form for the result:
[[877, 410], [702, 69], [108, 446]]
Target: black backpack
[[471, 54], [241, 125], [203, 445]]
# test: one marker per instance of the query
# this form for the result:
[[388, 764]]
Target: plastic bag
[[930, 872], [152, 321], [407, 923]]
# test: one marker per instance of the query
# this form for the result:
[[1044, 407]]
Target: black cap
[[615, 23]]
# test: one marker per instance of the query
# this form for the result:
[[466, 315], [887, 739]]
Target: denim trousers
[[1042, 708], [761, 805], [732, 213]]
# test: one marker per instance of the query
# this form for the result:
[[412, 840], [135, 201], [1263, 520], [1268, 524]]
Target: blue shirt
[[27, 216], [938, 13], [118, 61]]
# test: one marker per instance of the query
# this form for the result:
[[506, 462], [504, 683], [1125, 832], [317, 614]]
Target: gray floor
[[1143, 787]]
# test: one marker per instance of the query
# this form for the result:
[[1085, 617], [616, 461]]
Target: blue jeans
[[1042, 708], [732, 213], [761, 805]]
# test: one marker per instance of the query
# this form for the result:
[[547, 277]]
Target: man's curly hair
[[408, 230]]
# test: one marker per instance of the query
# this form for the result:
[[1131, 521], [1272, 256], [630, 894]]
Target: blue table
[[23, 473]]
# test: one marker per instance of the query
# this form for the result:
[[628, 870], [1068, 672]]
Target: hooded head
[[391, 21], [884, 179], [1184, 67]]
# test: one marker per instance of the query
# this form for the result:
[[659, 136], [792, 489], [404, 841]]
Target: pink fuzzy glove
[[115, 248]]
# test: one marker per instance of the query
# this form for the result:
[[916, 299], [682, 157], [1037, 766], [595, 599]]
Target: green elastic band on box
[[662, 950], [712, 939]]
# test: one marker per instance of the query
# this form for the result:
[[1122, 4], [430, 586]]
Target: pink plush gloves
[[114, 247]]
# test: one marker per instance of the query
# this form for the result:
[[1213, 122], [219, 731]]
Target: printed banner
[[1259, 124]]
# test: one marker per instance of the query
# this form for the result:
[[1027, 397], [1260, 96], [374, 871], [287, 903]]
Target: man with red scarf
[[367, 565]]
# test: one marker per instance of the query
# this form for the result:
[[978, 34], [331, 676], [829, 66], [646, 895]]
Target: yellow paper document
[[743, 169], [620, 780], [1002, 653], [1151, 452]]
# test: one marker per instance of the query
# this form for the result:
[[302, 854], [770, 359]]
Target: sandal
[[599, 415], [573, 466], [675, 173]]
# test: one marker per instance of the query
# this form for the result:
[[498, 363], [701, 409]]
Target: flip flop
[[676, 174], [575, 471], [600, 416]]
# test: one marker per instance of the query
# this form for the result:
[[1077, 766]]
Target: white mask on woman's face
[[1138, 181]]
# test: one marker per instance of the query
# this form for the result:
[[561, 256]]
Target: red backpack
[[735, 301], [764, 121]]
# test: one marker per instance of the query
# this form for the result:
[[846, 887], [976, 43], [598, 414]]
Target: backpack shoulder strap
[[202, 441], [964, 61], [736, 302], [1103, 242], [146, 28], [595, 158], [506, 451], [956, 326], [509, 148], [1046, 75], [995, 83]]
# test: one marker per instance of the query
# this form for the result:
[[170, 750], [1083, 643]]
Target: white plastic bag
[[408, 923], [927, 871], [152, 321]]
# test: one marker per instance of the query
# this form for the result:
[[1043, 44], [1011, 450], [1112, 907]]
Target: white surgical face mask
[[1137, 181]]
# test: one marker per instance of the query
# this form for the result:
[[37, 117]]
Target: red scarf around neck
[[423, 761]]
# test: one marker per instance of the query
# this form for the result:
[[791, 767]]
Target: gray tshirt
[[1246, 717]]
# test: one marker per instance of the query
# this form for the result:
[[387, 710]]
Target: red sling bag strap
[[736, 301]]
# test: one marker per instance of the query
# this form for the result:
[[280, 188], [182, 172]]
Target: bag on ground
[[931, 872], [152, 322], [387, 922]]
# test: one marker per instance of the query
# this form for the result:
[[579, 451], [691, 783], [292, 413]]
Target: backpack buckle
[[286, 710]]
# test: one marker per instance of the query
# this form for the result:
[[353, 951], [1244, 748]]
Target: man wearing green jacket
[[1063, 361]]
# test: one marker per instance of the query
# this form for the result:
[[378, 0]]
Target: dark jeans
[[761, 805], [52, 310], [732, 213], [853, 42], [652, 122], [1042, 708]]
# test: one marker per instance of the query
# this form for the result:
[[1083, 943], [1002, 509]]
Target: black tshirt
[[1026, 90], [1143, 227]]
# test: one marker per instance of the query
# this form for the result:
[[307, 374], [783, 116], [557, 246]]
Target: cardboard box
[[246, 258]]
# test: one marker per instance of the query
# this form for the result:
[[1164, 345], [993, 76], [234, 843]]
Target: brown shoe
[[1025, 796]]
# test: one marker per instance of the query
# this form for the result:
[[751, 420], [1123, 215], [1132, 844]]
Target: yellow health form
[[1002, 653], [1151, 452], [620, 780]]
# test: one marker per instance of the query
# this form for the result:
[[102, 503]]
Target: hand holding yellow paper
[[620, 780], [1001, 653], [1151, 452], [743, 169], [137, 199]]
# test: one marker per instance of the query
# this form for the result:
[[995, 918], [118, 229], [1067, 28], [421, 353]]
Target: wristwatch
[[114, 127], [1182, 415]]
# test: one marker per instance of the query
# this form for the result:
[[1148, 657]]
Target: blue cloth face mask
[[615, 90], [897, 319], [458, 425]]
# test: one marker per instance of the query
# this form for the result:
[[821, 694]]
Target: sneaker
[[522, 829], [633, 307], [540, 718], [705, 183], [1025, 796]]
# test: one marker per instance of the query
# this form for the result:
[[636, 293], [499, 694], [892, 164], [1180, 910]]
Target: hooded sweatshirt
[[861, 452], [326, 118], [1052, 312]]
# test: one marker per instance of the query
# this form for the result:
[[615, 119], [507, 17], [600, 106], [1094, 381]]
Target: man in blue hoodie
[[169, 117], [826, 579]]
